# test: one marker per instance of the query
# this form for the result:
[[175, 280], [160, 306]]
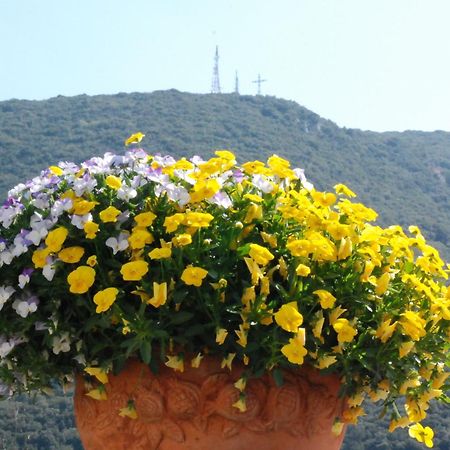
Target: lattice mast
[[215, 84], [259, 81]]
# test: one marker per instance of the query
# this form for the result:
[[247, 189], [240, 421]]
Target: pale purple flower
[[175, 193], [164, 161], [222, 199], [41, 201], [84, 184], [197, 160], [262, 183], [17, 190], [60, 206], [24, 277], [238, 176], [20, 246]]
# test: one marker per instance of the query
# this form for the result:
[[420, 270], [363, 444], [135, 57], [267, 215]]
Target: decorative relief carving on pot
[[172, 406]]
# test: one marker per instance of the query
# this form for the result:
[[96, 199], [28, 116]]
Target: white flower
[[5, 294], [79, 221], [60, 206], [25, 307], [119, 244], [126, 193], [61, 344], [48, 271], [84, 184], [222, 199], [20, 246], [262, 183], [6, 257], [6, 347]]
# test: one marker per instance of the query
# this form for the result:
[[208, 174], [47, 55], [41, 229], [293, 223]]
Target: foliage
[[124, 254]]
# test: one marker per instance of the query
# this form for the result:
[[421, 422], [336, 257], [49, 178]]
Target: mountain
[[404, 176]]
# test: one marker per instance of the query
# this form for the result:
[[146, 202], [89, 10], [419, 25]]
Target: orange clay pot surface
[[193, 410]]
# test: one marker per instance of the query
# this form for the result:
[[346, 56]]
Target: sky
[[378, 65]]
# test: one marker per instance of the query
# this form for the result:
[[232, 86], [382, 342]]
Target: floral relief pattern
[[172, 406]]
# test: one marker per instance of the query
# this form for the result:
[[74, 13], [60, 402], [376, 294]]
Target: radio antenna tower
[[215, 84], [236, 83], [259, 81]]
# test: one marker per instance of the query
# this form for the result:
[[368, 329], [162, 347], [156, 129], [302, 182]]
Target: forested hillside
[[404, 176]]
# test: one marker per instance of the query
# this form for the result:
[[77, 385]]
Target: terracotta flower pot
[[194, 410]]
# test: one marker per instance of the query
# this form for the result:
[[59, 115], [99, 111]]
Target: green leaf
[[146, 351], [181, 317], [278, 377]]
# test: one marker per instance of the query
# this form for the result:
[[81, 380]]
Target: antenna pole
[[236, 83], [215, 84]]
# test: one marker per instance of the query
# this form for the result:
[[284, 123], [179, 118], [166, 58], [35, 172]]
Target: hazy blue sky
[[370, 64]]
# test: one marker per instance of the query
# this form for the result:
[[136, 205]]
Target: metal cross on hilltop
[[259, 81]]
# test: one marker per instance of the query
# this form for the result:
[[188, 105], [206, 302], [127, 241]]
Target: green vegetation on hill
[[404, 176]]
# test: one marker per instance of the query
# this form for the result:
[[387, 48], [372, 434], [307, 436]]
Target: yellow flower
[[242, 335], [55, 170], [326, 361], [160, 253], [260, 254], [71, 254], [240, 384], [254, 198], [385, 330], [240, 403], [337, 427], [98, 394], [129, 411], [227, 362], [145, 219], [295, 350], [39, 257], [105, 298], [345, 331], [345, 248], [171, 223], [81, 279], [195, 362], [405, 348], [198, 220], [193, 276], [300, 247], [109, 214], [401, 422], [327, 299], [221, 334], [55, 239], [159, 295], [91, 229], [175, 362], [113, 182], [413, 325], [254, 212], [92, 261], [134, 270], [302, 270], [135, 138], [343, 189], [382, 283], [139, 237], [422, 434], [288, 317], [204, 189], [180, 240], [82, 207], [98, 373], [254, 269]]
